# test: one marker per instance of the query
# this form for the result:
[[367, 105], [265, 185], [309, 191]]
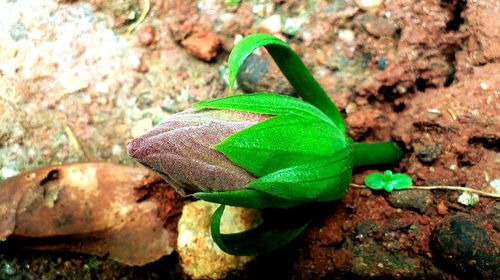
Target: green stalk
[[380, 153]]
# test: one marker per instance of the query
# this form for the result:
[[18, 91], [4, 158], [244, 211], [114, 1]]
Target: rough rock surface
[[200, 256]]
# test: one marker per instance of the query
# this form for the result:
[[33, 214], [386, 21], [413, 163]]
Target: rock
[[271, 24], [347, 36], [365, 228], [378, 26], [200, 256], [468, 199], [442, 209], [146, 35], [293, 25], [260, 73], [141, 127], [203, 44], [429, 153], [463, 244], [369, 5], [411, 199]]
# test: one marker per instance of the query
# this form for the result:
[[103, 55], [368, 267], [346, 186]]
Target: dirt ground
[[421, 73]]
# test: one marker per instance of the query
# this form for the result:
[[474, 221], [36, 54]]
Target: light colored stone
[[369, 5], [347, 35], [200, 257], [141, 127], [468, 199], [271, 24]]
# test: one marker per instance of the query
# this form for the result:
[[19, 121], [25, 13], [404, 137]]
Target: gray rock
[[411, 199], [259, 73], [429, 153], [462, 244]]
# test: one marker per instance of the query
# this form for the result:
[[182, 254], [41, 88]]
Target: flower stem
[[379, 153], [453, 188]]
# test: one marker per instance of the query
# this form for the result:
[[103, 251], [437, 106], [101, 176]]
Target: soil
[[422, 73]]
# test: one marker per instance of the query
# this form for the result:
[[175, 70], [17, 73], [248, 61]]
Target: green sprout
[[388, 181]]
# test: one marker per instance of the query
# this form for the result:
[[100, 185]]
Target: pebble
[[429, 153], [259, 74], [442, 209], [369, 5], [462, 243], [203, 45], [347, 36], [495, 183], [378, 26], [146, 35], [293, 25], [7, 172], [200, 256], [411, 199], [468, 199], [271, 24], [141, 127]]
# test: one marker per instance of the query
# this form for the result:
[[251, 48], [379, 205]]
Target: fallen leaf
[[94, 208]]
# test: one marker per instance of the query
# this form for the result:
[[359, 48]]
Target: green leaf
[[281, 142], [275, 232], [248, 198], [375, 181], [292, 67], [388, 181], [323, 180], [265, 103], [400, 181]]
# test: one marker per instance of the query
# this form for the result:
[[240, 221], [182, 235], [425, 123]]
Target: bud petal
[[181, 150]]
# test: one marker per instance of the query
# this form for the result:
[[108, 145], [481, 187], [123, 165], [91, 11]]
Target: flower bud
[[257, 150], [181, 150]]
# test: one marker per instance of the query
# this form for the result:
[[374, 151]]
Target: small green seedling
[[388, 181]]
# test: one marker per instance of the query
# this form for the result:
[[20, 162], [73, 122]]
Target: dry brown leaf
[[93, 208]]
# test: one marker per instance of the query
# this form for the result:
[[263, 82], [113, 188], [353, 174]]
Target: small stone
[[468, 199], [202, 44], [259, 74], [7, 172], [411, 199], [146, 35], [429, 153], [347, 35], [200, 256], [366, 228], [462, 243], [271, 24], [378, 26], [369, 5], [442, 209], [141, 127], [293, 25], [495, 184]]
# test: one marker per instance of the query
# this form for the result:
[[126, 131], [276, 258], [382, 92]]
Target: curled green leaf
[[292, 67], [278, 229]]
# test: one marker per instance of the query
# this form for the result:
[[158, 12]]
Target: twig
[[455, 188]]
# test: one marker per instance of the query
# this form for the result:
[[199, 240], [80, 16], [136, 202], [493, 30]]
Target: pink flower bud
[[181, 150]]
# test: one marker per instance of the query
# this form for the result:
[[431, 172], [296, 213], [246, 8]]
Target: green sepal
[[322, 180], [248, 198], [276, 231], [292, 67], [281, 142], [388, 181], [266, 103]]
